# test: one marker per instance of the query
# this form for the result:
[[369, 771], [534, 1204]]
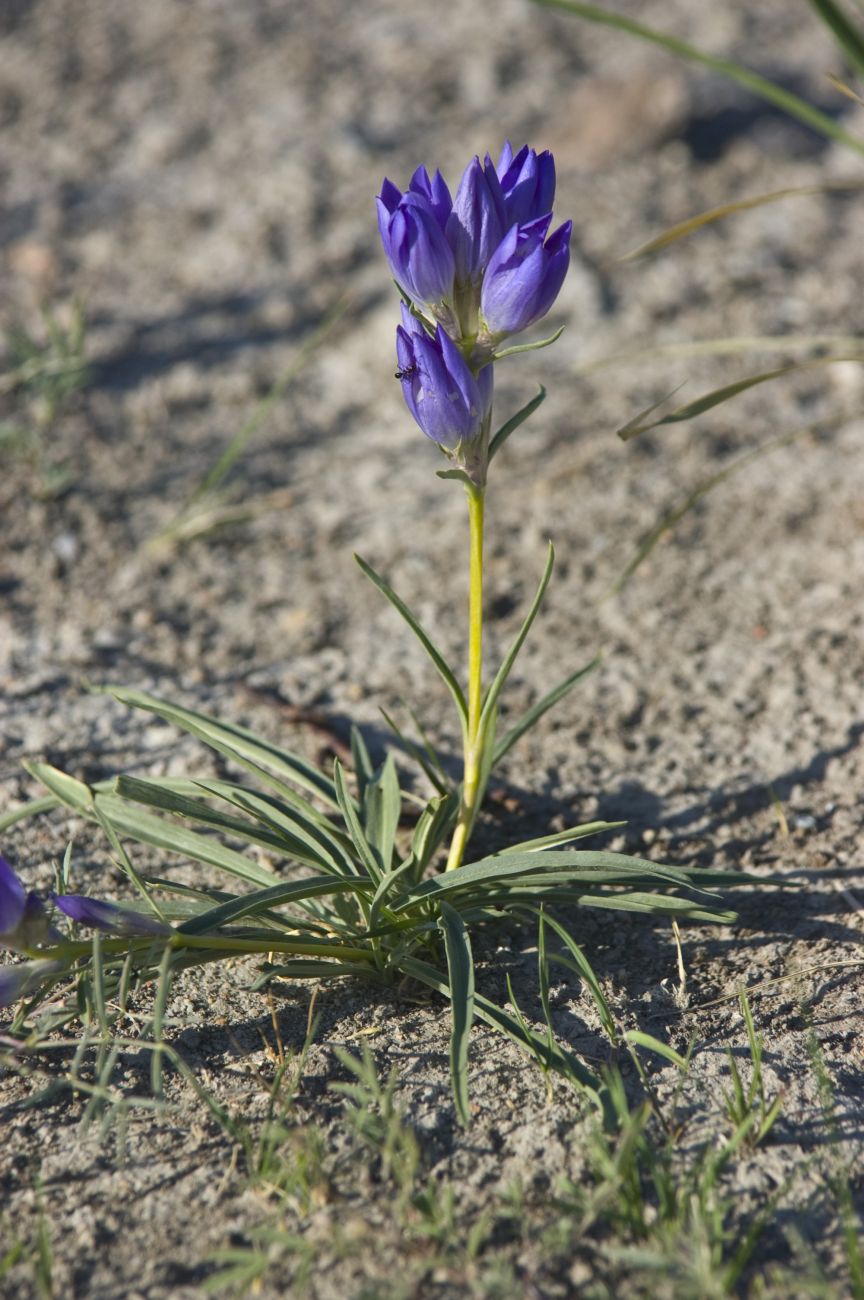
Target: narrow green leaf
[[514, 422], [235, 742], [652, 1044], [316, 843], [586, 970], [543, 705], [30, 809], [556, 1058], [561, 866], [790, 103], [352, 822], [252, 904], [443, 668], [568, 836], [158, 796], [684, 228], [433, 825], [433, 776], [458, 475], [460, 968], [530, 347], [719, 395], [678, 512], [382, 808], [69, 791], [491, 701], [128, 819], [363, 769], [849, 37]]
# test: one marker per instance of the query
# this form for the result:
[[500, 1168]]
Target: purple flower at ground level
[[442, 394], [478, 221], [13, 899], [524, 276], [527, 183], [16, 981], [23, 922], [414, 244], [124, 921]]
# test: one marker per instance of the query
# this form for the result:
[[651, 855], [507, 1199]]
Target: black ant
[[406, 373]]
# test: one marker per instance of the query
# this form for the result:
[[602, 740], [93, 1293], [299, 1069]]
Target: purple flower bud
[[527, 183], [123, 921], [413, 238], [17, 981], [524, 276], [445, 399], [478, 221]]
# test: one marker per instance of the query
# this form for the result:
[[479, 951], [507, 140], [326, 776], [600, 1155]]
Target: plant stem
[[473, 745]]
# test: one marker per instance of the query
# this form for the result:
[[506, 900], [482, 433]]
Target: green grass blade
[[719, 395], [219, 472], [460, 968], [543, 705], [490, 703], [848, 36], [235, 742], [678, 512], [514, 422], [684, 228], [586, 970], [443, 668], [768, 90], [652, 1044]]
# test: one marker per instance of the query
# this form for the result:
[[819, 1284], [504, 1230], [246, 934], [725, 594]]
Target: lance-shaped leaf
[[490, 703], [543, 705], [443, 668], [514, 422], [262, 757], [460, 970]]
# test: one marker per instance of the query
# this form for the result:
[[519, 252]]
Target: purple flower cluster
[[473, 270], [24, 925]]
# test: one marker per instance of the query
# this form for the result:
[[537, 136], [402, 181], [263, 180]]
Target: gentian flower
[[442, 394], [435, 191], [124, 921], [478, 221], [23, 922], [17, 981], [527, 184], [524, 276], [413, 237]]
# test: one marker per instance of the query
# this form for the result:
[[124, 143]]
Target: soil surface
[[201, 176]]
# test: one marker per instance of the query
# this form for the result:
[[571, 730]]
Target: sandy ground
[[202, 176]]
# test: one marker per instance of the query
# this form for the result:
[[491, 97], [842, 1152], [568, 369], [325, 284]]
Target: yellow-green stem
[[473, 746]]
